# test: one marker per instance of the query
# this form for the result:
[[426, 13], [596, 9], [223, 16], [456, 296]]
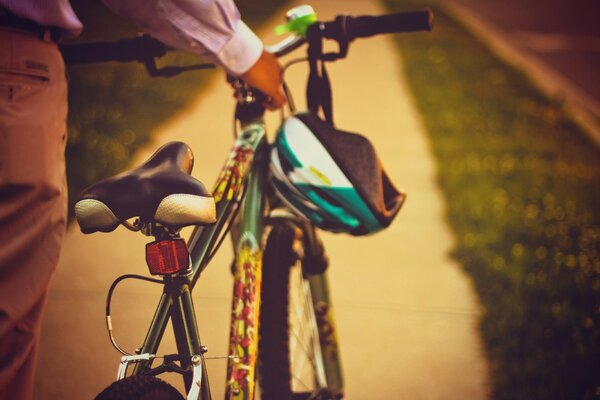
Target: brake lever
[[334, 31]]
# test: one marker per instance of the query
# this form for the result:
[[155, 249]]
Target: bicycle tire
[[280, 376], [140, 388]]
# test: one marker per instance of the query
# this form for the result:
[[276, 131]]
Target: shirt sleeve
[[211, 28]]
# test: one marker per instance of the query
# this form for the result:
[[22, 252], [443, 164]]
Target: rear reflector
[[167, 257]]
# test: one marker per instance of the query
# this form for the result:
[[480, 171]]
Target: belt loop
[[47, 36]]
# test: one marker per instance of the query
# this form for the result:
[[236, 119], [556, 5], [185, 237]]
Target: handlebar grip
[[137, 49], [366, 26]]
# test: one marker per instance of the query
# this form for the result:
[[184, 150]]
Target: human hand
[[266, 76]]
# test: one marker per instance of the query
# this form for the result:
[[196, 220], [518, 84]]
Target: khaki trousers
[[33, 110]]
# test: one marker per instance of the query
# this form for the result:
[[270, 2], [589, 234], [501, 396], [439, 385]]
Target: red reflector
[[167, 257]]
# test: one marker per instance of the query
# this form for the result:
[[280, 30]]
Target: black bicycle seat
[[160, 190]]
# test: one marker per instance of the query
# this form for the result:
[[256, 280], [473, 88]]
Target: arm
[[211, 28]]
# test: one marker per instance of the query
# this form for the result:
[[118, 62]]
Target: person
[[33, 110]]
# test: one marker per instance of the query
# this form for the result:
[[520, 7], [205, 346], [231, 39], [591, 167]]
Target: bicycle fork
[[314, 261]]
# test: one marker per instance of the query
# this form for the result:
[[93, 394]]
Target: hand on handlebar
[[266, 76]]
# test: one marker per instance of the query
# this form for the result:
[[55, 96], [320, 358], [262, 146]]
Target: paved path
[[407, 315]]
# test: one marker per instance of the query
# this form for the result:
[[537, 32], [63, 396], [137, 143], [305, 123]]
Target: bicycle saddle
[[159, 190]]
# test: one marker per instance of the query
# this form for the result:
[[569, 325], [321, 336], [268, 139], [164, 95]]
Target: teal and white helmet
[[332, 178]]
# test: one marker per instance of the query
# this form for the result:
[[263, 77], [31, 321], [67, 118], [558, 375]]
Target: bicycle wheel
[[290, 363], [140, 388]]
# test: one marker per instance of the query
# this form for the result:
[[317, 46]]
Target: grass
[[115, 108], [522, 186]]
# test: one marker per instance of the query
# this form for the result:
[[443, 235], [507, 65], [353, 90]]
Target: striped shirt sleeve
[[211, 28]]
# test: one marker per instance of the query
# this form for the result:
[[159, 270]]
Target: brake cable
[[108, 301]]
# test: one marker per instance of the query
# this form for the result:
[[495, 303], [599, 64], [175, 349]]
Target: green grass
[[114, 108], [522, 185]]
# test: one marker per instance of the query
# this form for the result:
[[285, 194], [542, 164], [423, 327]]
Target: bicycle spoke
[[316, 344], [303, 369], [298, 349], [305, 345]]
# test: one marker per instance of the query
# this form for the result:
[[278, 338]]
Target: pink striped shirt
[[211, 28]]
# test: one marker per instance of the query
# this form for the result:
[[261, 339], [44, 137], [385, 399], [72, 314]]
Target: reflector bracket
[[167, 257]]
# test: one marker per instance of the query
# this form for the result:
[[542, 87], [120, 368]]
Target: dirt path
[[406, 313]]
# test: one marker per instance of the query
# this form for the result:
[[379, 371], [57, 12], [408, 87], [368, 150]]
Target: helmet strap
[[318, 87]]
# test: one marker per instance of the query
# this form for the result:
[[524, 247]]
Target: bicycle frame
[[240, 186], [176, 301]]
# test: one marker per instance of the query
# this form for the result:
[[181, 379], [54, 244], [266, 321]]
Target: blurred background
[[487, 286]]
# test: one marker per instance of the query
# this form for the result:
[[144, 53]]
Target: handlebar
[[125, 50], [350, 28], [343, 29], [144, 49]]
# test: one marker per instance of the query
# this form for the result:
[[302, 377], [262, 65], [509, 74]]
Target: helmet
[[332, 178]]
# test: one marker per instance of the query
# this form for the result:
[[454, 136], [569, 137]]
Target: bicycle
[[273, 243]]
